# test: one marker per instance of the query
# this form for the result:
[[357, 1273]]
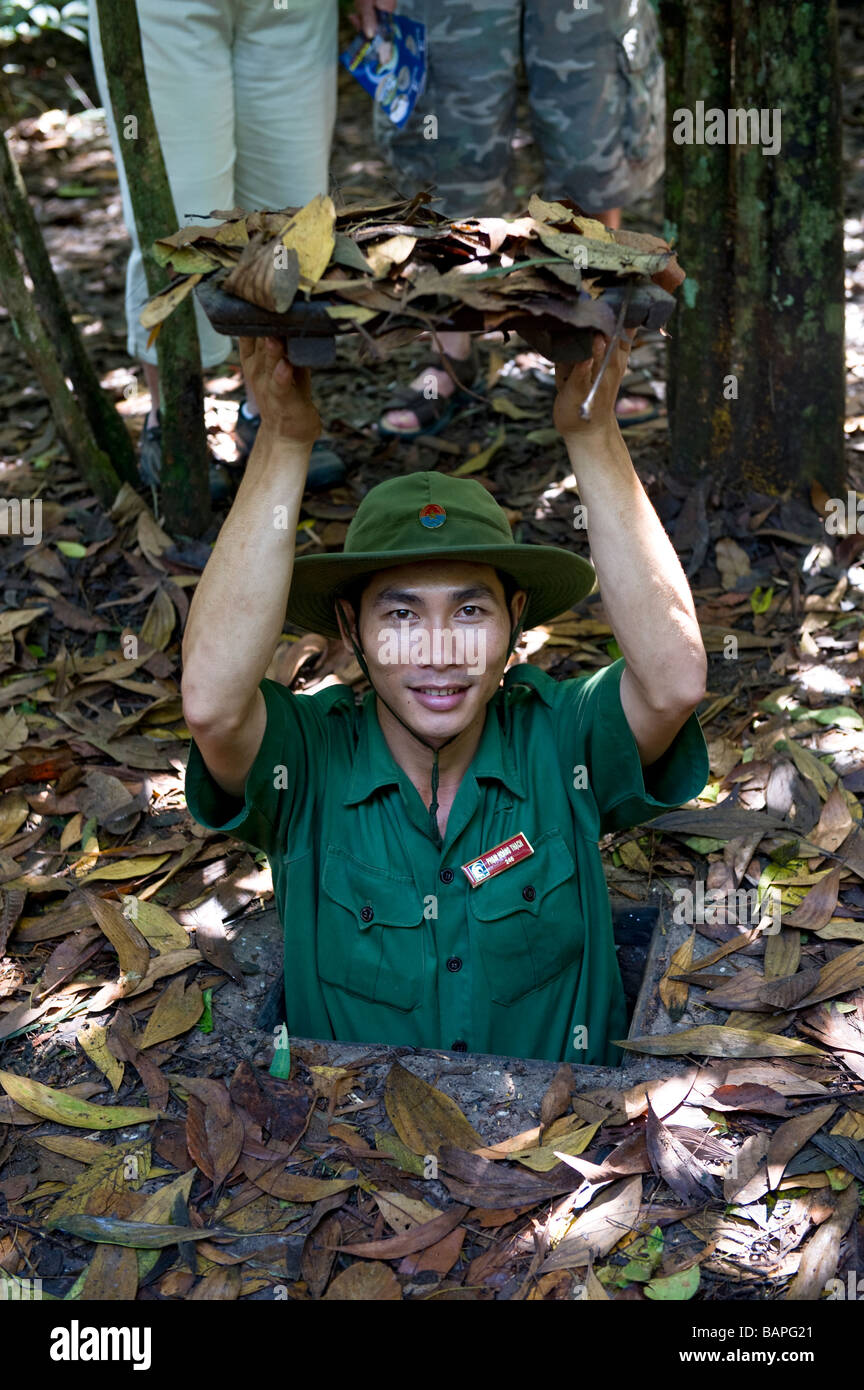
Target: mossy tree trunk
[[109, 431], [756, 393], [91, 462], [185, 459]]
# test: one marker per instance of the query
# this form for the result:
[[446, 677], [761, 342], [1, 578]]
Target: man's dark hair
[[352, 593]]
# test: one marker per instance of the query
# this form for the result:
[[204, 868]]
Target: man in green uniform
[[434, 848]]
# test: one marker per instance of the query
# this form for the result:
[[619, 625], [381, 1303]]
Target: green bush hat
[[430, 516]]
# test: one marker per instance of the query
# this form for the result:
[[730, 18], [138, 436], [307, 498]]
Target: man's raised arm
[[237, 614], [645, 592]]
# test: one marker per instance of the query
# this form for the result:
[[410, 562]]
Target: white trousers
[[244, 99]]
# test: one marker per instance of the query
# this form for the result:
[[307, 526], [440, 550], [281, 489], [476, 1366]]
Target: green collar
[[538, 680], [374, 765]]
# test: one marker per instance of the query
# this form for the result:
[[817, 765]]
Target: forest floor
[[720, 1173]]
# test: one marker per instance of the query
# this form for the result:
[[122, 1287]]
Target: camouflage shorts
[[596, 91]]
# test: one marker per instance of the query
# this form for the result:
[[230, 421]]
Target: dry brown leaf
[[732, 562], [267, 274], [14, 810], [834, 823], [404, 1213], [818, 906], [168, 964], [392, 251], [782, 953], [311, 234], [611, 1216], [814, 769], [748, 1096], [126, 868], [222, 1284], [792, 1136], [132, 950], [482, 1182], [711, 1040], [440, 1257], [159, 623], [751, 991], [673, 1162], [424, 1117], [93, 1038], [14, 618], [151, 538], [634, 857], [123, 1041], [819, 1260], [155, 924], [419, 1237], [160, 306], [319, 1254], [364, 1283], [177, 1010], [215, 947], [546, 1157], [292, 1187], [214, 1132], [748, 1179], [13, 731], [841, 975], [556, 1100], [280, 1107], [112, 1274], [674, 993], [107, 800]]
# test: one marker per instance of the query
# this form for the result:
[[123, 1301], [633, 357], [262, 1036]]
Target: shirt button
[[446, 875], [366, 914], [459, 1046], [454, 963], [529, 893]]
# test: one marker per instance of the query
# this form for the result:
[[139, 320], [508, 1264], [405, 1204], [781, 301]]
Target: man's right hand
[[283, 392]]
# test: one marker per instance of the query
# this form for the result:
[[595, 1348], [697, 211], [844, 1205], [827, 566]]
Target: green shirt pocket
[[527, 920], [370, 937]]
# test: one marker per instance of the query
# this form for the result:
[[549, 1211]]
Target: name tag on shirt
[[496, 860]]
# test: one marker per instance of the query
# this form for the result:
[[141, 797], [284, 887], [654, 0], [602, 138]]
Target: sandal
[[435, 412], [635, 417]]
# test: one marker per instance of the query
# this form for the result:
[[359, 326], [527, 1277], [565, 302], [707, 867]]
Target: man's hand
[[283, 392], [574, 384], [364, 17]]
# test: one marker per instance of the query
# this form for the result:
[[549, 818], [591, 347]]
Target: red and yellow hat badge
[[432, 515]]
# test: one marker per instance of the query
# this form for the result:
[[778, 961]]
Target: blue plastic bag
[[392, 65]]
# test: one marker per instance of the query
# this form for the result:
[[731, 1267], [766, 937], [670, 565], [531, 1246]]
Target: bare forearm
[[237, 614], [644, 589]]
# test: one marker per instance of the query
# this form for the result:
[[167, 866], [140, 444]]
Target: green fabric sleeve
[[599, 735], [282, 780]]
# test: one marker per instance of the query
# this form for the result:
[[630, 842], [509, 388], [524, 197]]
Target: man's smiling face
[[435, 636]]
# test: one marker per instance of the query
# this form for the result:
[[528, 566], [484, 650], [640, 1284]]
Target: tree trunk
[[756, 394], [93, 465], [697, 55], [185, 459], [109, 431]]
